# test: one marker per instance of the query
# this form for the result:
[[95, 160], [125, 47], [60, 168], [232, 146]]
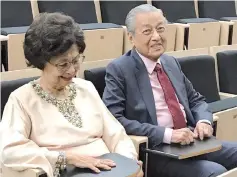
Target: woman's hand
[[89, 162], [140, 173]]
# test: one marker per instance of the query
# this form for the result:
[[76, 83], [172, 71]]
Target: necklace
[[65, 106]]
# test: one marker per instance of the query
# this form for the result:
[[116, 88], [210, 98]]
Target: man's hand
[[203, 130], [183, 136]]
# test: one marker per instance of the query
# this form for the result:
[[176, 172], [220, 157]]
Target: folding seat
[[96, 74], [116, 12], [14, 23], [199, 32], [9, 86], [81, 11], [98, 36], [200, 70], [219, 10], [223, 11], [11, 17], [213, 52], [227, 69]]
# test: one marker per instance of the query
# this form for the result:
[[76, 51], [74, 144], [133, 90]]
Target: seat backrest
[[175, 10], [216, 9], [227, 69], [97, 77], [200, 70], [16, 13], [116, 11], [7, 87], [81, 11]]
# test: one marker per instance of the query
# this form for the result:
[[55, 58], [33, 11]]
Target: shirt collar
[[150, 64]]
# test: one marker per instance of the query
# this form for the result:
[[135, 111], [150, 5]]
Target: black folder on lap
[[178, 151], [125, 167]]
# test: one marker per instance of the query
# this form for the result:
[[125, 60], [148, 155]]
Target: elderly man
[[148, 93]]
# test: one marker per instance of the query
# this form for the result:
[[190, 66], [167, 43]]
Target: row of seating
[[194, 52], [198, 66], [115, 11], [225, 110], [100, 36]]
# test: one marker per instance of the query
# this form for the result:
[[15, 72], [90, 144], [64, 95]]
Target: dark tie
[[170, 98]]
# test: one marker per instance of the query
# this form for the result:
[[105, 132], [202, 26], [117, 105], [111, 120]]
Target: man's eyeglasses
[[76, 62]]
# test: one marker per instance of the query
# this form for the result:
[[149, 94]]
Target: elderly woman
[[59, 119]]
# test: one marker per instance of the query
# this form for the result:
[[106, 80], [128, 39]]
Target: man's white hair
[[131, 17]]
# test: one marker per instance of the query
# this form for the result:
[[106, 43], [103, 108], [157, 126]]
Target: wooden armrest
[[227, 22], [8, 172], [180, 31], [182, 25], [215, 118], [3, 38], [230, 173], [137, 140], [226, 95]]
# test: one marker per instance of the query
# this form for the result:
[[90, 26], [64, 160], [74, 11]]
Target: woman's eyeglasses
[[76, 62]]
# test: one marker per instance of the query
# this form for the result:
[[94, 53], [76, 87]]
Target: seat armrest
[[8, 172], [230, 173], [224, 33], [141, 142], [215, 118], [137, 140], [226, 95], [3, 38], [180, 33], [182, 25]]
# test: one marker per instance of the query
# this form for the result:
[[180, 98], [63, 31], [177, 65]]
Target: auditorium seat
[[92, 64], [9, 86], [14, 22], [11, 16], [200, 70], [116, 12], [227, 69], [98, 36], [175, 10], [223, 11], [97, 76], [103, 41], [184, 12], [213, 51], [219, 10], [81, 11]]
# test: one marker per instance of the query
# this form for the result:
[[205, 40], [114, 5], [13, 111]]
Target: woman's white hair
[[130, 19]]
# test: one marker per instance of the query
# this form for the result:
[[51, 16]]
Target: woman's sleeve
[[114, 134], [17, 151]]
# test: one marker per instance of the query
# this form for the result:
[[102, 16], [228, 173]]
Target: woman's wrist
[[69, 157], [60, 163]]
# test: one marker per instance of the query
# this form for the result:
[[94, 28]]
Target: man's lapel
[[173, 80], [144, 85]]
